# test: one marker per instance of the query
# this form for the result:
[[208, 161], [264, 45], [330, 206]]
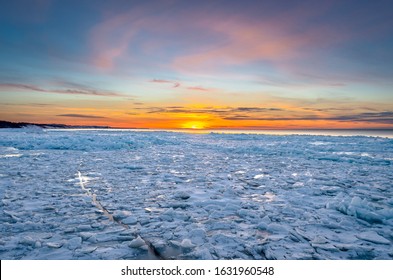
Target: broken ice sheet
[[211, 196]]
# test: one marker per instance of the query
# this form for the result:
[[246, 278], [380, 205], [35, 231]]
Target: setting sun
[[194, 125]]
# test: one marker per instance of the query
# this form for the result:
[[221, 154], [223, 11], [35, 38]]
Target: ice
[[373, 237], [74, 243], [28, 241], [130, 220], [186, 243], [107, 194], [360, 208], [198, 236], [55, 245], [182, 195], [137, 242], [121, 214]]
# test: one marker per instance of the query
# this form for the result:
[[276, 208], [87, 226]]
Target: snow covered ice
[[103, 194]]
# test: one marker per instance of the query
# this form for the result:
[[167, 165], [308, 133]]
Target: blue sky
[[175, 64]]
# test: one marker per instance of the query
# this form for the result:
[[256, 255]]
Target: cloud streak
[[159, 81], [71, 91], [274, 114], [380, 117], [176, 84], [81, 116], [222, 112], [197, 88]]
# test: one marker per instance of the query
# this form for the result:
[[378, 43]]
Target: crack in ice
[[151, 247]]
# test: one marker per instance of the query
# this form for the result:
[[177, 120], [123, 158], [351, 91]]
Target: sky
[[198, 64]]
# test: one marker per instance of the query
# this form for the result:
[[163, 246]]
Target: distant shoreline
[[6, 124]]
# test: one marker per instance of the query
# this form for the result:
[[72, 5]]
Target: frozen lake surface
[[137, 195]]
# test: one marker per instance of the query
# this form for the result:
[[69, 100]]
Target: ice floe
[[137, 195]]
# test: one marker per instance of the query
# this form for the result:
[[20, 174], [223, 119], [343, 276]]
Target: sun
[[194, 125]]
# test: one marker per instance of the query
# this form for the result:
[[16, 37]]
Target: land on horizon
[[6, 124]]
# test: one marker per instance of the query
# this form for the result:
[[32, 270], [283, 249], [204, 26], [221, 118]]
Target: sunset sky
[[198, 64]]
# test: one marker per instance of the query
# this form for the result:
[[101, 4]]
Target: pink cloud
[[111, 38], [198, 88], [211, 40], [196, 41], [247, 42], [283, 40], [106, 46]]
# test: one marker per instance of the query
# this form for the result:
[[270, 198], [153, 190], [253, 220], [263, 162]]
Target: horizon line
[[189, 129]]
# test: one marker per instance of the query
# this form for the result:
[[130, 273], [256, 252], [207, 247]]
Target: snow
[[102, 194]]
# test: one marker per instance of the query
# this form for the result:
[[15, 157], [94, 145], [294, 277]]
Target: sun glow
[[194, 125]]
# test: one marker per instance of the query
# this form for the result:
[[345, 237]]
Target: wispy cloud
[[256, 109], [159, 81], [198, 88], [176, 84], [225, 111], [381, 117], [72, 91], [276, 114], [81, 116], [106, 47]]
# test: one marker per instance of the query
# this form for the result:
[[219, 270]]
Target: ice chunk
[[182, 195], [357, 207], [319, 240], [187, 244], [130, 220], [87, 250], [118, 214], [198, 236], [325, 246], [83, 228], [74, 243], [262, 226], [137, 242], [86, 235], [368, 215], [148, 210], [275, 227], [373, 237], [27, 240], [54, 245]]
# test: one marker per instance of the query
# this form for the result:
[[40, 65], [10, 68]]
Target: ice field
[[103, 194]]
